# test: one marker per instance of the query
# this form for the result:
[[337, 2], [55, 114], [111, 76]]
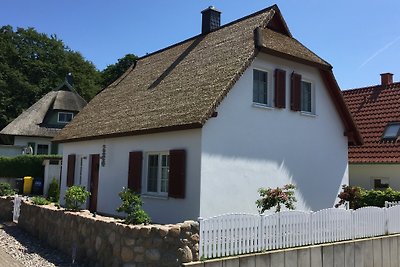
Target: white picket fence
[[234, 234], [389, 204]]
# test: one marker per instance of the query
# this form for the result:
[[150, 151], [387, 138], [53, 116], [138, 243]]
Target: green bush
[[75, 196], [132, 206], [359, 197], [54, 190], [24, 165], [37, 200], [6, 189]]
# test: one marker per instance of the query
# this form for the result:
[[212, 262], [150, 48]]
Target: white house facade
[[267, 147]]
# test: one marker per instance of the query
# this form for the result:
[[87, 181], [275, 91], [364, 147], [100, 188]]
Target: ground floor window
[[157, 173], [42, 149]]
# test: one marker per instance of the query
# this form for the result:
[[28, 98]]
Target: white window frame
[[66, 113], [146, 173], [313, 110], [270, 91]]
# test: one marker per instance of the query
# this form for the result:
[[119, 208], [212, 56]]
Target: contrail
[[379, 51]]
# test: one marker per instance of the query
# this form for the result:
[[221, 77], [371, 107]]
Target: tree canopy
[[113, 71], [32, 64]]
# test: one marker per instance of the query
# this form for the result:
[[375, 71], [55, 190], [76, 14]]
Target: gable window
[[302, 95], [306, 97], [65, 117], [42, 149], [157, 173], [392, 131], [260, 88]]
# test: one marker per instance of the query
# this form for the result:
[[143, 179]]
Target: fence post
[[201, 237], [386, 221]]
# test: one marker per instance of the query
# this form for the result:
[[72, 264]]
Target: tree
[[32, 64], [276, 197], [114, 71]]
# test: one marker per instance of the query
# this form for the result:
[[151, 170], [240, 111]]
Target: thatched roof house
[[196, 128], [46, 117]]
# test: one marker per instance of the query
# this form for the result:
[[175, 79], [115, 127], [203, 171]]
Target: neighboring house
[[32, 131], [198, 127], [376, 110]]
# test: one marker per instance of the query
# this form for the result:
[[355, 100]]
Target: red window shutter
[[71, 170], [135, 171], [177, 173], [295, 95], [280, 88]]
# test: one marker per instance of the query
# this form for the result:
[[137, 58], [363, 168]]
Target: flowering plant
[[276, 198], [352, 194]]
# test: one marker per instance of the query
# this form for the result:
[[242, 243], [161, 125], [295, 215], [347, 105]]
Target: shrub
[[132, 206], [359, 197], [37, 200], [6, 189], [75, 196], [351, 194], [54, 190], [23, 165], [276, 198]]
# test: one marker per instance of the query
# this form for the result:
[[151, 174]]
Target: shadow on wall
[[236, 181]]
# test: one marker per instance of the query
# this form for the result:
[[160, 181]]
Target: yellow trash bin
[[28, 181]]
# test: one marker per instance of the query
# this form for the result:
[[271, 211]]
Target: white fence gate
[[233, 234], [17, 206]]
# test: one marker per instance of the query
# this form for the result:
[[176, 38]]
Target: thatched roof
[[31, 121], [179, 87]]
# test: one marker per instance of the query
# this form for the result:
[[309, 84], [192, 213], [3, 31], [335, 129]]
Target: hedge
[[23, 165]]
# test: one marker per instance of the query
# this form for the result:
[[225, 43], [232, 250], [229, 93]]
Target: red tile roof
[[373, 108]]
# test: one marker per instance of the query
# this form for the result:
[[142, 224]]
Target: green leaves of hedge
[[24, 165]]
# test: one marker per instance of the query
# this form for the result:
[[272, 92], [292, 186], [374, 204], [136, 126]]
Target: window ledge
[[146, 195], [264, 106], [308, 114]]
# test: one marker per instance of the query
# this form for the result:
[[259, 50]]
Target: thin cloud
[[379, 51]]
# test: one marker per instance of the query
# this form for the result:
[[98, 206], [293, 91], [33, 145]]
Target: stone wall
[[6, 208], [381, 251], [105, 241]]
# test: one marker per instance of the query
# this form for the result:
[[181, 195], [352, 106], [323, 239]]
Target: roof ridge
[[389, 86], [219, 28]]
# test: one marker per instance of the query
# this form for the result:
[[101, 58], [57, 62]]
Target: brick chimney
[[211, 19], [386, 78]]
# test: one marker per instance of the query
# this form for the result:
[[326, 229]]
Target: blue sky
[[361, 39]]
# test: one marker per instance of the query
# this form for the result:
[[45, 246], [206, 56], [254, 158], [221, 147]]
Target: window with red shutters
[[135, 171], [295, 92], [71, 170], [177, 173], [280, 88]]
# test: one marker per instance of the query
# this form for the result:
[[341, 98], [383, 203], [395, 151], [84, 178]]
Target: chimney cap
[[211, 8]]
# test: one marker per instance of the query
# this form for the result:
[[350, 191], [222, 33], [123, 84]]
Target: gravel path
[[29, 251]]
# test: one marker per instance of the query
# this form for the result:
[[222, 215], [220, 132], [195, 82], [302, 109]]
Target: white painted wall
[[246, 147], [10, 150], [24, 140], [363, 174], [50, 171], [114, 175]]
